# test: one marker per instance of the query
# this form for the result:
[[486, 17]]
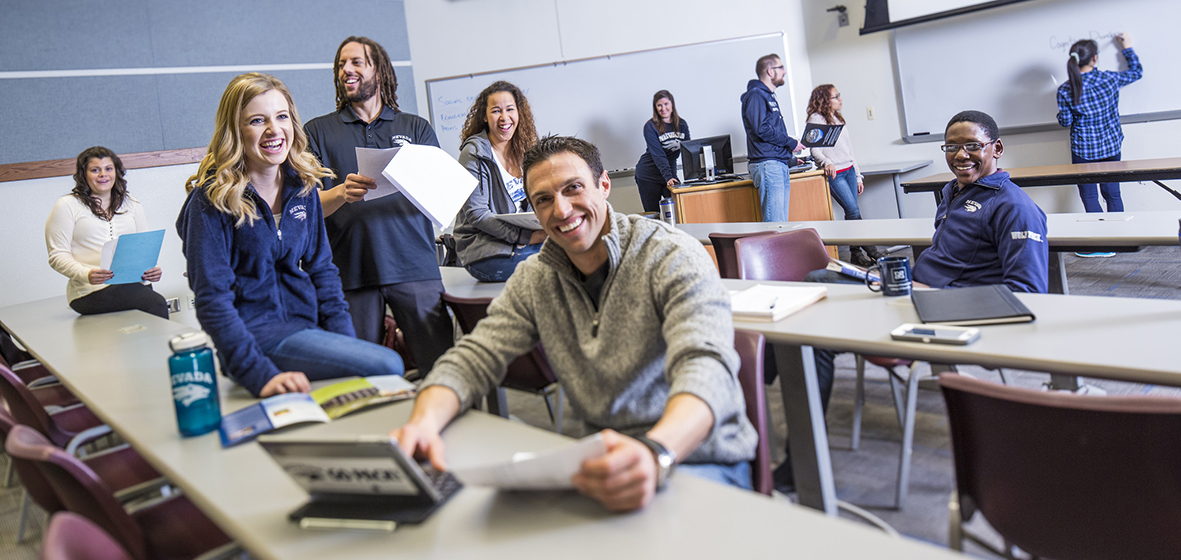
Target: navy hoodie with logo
[[766, 135], [257, 284], [989, 233]]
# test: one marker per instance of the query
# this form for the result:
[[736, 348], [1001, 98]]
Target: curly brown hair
[[82, 190], [375, 55], [523, 138], [820, 103]]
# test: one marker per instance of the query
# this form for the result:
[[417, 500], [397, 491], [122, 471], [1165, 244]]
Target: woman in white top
[[96, 211], [498, 130], [844, 182]]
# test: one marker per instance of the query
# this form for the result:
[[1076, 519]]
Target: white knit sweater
[[74, 237]]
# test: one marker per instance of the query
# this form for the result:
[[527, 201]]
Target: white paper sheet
[[545, 470], [433, 181], [370, 163], [527, 220]]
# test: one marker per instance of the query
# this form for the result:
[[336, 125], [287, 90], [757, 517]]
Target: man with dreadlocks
[[384, 248]]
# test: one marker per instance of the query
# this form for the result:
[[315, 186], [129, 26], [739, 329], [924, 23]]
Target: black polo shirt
[[374, 242]]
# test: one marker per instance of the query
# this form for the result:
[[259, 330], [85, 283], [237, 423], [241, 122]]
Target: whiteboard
[[1009, 61], [606, 100]]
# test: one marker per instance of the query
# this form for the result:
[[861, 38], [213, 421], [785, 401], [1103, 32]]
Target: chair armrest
[[85, 436]]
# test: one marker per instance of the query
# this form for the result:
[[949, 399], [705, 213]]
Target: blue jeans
[[737, 474], [320, 354], [498, 269], [844, 188], [1086, 191], [774, 185]]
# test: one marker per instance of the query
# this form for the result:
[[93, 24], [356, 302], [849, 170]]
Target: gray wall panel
[[189, 112], [58, 117], [271, 31], [69, 34], [55, 118]]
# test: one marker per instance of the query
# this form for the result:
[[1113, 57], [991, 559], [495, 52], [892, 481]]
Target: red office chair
[[73, 537], [60, 426], [1063, 475], [749, 345], [725, 252], [530, 373], [167, 529], [789, 257], [120, 468]]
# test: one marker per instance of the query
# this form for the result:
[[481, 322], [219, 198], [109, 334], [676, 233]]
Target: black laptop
[[366, 482]]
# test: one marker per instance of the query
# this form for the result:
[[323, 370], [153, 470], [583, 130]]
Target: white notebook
[[772, 303]]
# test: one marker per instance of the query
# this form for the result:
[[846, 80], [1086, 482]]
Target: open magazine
[[322, 405]]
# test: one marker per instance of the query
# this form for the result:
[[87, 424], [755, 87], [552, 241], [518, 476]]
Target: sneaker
[[1098, 254], [783, 478], [873, 252], [858, 257]]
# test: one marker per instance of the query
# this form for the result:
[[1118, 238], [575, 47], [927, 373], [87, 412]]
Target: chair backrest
[[725, 252], [73, 537], [9, 352], [787, 256], [1068, 476], [749, 345], [31, 478], [26, 409], [78, 488], [529, 372]]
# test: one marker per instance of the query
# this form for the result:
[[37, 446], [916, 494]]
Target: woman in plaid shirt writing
[[1089, 104]]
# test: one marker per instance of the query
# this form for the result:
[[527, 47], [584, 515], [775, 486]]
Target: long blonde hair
[[222, 172]]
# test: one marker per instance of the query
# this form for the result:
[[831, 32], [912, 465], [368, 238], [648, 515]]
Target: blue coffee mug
[[895, 274]]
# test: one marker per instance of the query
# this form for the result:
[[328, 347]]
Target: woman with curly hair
[[498, 130], [844, 182], [258, 257], [95, 212]]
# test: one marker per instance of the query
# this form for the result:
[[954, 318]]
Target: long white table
[[895, 171], [1066, 233], [116, 363], [1112, 338]]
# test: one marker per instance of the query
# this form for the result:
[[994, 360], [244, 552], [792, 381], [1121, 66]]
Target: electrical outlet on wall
[[869, 113], [173, 305], [192, 302]]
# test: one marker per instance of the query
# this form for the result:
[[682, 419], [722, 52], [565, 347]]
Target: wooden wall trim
[[65, 167]]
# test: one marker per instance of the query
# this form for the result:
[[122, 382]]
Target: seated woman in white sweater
[[844, 181], [96, 211]]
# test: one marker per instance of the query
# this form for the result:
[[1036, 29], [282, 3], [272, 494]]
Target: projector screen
[[881, 15]]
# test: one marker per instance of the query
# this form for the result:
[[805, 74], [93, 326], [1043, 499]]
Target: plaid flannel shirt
[[1095, 132]]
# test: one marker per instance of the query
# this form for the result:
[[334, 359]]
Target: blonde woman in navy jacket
[[258, 257]]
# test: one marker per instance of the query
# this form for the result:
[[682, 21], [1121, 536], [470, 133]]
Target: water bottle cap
[[188, 341]]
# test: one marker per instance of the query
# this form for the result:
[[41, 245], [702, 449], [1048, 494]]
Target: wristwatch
[[666, 460]]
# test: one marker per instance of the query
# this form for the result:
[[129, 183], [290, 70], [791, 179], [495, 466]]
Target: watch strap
[[666, 460]]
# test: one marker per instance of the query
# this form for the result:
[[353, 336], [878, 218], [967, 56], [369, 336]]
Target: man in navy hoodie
[[987, 231], [768, 147]]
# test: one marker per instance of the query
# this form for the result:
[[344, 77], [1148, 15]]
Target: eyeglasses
[[971, 147], [780, 67], [835, 97]]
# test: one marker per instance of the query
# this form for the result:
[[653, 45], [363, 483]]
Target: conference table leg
[[807, 432], [1057, 278]]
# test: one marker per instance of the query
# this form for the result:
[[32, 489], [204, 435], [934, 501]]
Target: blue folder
[[135, 253]]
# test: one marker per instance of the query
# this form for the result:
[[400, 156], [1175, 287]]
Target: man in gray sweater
[[636, 325]]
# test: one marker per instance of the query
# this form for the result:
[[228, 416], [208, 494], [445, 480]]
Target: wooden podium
[[738, 201]]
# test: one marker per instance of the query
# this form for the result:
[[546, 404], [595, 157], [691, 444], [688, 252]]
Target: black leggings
[[122, 297]]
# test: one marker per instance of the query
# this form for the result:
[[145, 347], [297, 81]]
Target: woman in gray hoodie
[[498, 130]]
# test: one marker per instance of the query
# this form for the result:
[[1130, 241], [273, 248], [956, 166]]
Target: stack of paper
[[431, 179], [772, 303], [546, 470]]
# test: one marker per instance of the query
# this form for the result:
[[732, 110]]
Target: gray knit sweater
[[663, 327]]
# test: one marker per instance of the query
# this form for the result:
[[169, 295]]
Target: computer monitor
[[693, 157]]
